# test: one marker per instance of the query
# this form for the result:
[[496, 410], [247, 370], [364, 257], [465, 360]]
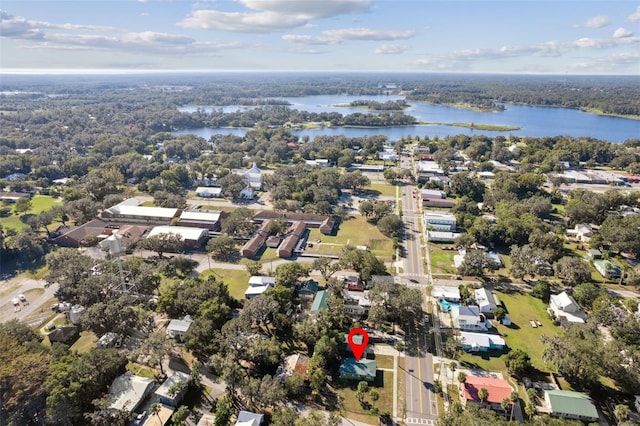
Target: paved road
[[11, 288], [421, 406]]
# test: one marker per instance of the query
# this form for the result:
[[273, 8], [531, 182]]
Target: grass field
[[520, 335], [383, 188], [39, 204], [236, 280], [85, 343], [355, 232], [351, 407], [441, 260]]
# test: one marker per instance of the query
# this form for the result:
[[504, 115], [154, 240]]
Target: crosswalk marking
[[419, 421]]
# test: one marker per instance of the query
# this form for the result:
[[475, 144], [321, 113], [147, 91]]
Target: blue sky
[[507, 36]]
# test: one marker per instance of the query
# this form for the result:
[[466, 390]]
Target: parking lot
[[35, 296]]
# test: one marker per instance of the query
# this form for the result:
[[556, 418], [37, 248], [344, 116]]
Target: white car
[[22, 298], [16, 302]]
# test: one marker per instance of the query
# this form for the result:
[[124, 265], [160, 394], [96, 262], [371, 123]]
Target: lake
[[533, 121]]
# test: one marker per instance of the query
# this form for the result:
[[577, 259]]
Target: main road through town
[[421, 406]]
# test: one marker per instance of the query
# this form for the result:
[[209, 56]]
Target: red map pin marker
[[358, 339]]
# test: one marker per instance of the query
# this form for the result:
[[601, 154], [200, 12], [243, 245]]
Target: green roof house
[[319, 302], [365, 369], [607, 269], [570, 405], [308, 289]]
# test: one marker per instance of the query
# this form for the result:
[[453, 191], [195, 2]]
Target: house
[[469, 318], [439, 221], [450, 294], [565, 307], [350, 280], [253, 177], [365, 369], [356, 303], [484, 299], [207, 420], [296, 363], [167, 394], [570, 405], [441, 236], [128, 391], [247, 193], [177, 328], [319, 302], [84, 235], [123, 239], [192, 237], [581, 232], [497, 390], [480, 342], [327, 225], [12, 197], [290, 242], [593, 254], [322, 162], [432, 193], [64, 334], [206, 219], [438, 202], [255, 243], [126, 212], [247, 418], [607, 268], [429, 168], [308, 289], [208, 192], [258, 284]]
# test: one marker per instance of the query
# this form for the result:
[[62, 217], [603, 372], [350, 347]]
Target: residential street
[[421, 407]]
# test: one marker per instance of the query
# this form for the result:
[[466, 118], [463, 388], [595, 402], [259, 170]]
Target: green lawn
[[236, 280], [351, 407], [85, 343], [521, 309], [39, 204], [383, 188], [355, 232], [441, 260]]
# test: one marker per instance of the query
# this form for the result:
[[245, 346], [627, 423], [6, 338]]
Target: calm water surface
[[533, 121]]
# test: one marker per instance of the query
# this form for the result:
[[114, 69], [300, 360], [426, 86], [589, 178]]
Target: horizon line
[[121, 71]]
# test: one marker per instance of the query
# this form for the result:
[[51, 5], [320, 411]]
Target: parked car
[[140, 418], [22, 298]]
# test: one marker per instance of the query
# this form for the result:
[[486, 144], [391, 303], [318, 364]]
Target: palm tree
[[483, 394], [531, 393], [515, 396], [505, 404], [155, 409], [530, 409]]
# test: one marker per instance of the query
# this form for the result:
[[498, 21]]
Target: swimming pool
[[446, 306]]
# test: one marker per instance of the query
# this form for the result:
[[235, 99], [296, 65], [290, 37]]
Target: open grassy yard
[[383, 188], [441, 260], [85, 343], [520, 335], [39, 204], [351, 407], [236, 280], [355, 231]]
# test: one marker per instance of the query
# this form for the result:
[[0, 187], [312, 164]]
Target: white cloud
[[19, 27], [635, 16], [391, 49], [622, 33], [595, 22], [308, 39], [315, 9], [271, 15], [546, 49], [341, 35], [367, 34]]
